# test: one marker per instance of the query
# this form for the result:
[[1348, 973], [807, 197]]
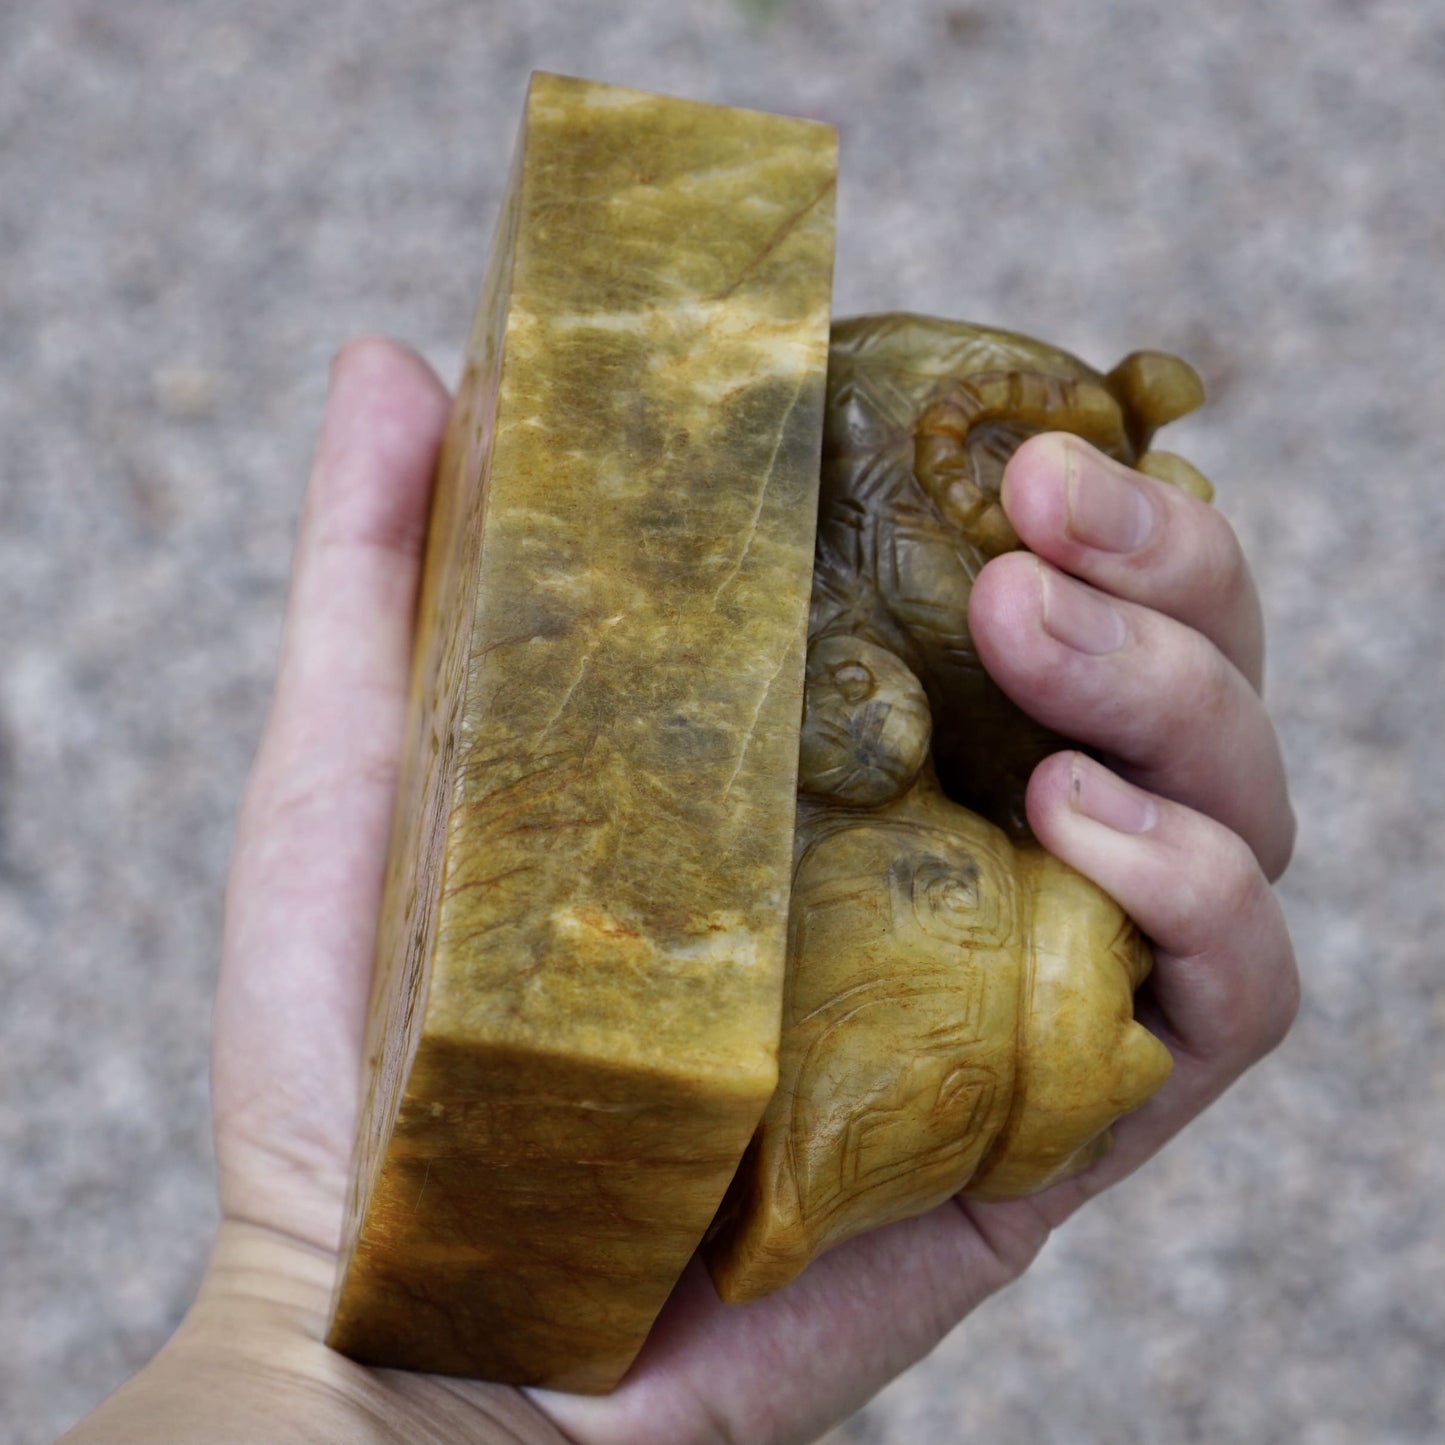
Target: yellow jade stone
[[576, 1009]]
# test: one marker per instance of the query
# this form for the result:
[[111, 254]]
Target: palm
[[301, 911]]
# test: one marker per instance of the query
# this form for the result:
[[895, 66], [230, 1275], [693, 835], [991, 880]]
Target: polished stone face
[[580, 963]]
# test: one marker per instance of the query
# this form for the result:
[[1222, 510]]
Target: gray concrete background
[[200, 200]]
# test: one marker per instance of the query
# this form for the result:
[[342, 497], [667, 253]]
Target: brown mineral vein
[[567, 697], [762, 498], [777, 238], [751, 726]]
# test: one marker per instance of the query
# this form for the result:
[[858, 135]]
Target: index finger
[[1137, 538]]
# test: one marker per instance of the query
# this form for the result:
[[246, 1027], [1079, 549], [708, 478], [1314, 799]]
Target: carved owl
[[959, 1010]]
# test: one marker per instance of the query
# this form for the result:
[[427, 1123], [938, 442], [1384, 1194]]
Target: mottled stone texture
[[576, 1012]]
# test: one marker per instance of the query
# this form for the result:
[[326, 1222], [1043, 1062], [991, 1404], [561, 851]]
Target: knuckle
[[1278, 985], [1221, 572], [1283, 1008], [1199, 568], [1231, 958], [1244, 890], [1215, 687], [1192, 699], [1280, 852], [1267, 980], [1219, 883]]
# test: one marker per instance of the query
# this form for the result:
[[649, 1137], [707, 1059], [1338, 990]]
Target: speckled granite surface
[[199, 202]]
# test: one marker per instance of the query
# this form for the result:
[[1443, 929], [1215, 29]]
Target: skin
[[1187, 829]]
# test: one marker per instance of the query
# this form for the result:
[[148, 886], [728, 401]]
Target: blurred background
[[199, 201]]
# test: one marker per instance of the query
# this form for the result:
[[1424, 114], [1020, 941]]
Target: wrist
[[271, 1285], [249, 1363], [246, 1362]]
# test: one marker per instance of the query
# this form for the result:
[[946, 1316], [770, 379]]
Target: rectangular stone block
[[579, 972]]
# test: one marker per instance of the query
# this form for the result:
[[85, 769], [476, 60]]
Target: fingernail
[[1096, 793], [1105, 510], [1079, 617]]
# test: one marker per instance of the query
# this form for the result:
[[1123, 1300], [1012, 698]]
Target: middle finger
[[1156, 695]]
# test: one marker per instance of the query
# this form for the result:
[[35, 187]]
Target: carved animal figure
[[959, 1014]]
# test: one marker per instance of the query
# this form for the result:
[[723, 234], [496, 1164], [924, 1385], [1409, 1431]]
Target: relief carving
[[959, 1006]]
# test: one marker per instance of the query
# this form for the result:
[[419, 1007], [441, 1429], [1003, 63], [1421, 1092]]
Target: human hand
[[1135, 627], [1187, 850]]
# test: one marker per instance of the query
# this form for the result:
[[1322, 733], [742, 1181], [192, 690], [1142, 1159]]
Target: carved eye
[[954, 896], [967, 1089], [946, 892], [854, 681]]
